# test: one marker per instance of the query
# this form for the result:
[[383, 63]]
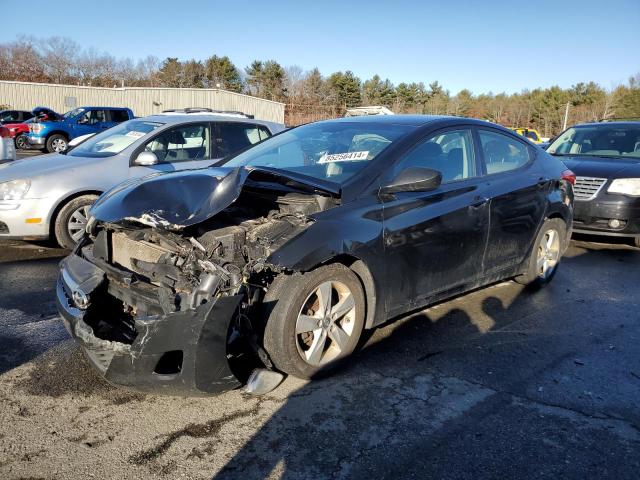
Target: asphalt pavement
[[500, 383]]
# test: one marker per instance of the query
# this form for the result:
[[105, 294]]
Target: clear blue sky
[[481, 45]]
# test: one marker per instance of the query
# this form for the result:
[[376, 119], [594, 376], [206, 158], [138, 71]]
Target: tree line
[[310, 95]]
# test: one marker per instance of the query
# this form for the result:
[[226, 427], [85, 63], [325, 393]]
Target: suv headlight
[[625, 186], [14, 190]]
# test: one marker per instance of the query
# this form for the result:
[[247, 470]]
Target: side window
[[451, 153], [93, 117], [502, 153], [181, 144], [8, 116], [236, 136], [119, 116]]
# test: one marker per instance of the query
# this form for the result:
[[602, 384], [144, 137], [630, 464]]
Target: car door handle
[[542, 182], [479, 202]]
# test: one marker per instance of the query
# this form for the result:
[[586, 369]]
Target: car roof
[[627, 123], [411, 120], [418, 121], [109, 108], [205, 117]]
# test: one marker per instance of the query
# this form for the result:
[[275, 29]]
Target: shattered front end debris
[[164, 292]]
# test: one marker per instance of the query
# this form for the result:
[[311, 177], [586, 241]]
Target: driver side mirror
[[146, 159], [414, 179]]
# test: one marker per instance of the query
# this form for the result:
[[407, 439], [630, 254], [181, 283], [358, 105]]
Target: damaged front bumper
[[182, 353]]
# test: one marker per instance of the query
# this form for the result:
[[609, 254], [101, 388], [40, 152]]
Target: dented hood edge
[[177, 200]]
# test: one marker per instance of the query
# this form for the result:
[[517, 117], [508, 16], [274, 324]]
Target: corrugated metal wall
[[143, 101]]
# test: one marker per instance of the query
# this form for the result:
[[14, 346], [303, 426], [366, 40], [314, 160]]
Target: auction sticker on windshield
[[344, 157], [135, 134]]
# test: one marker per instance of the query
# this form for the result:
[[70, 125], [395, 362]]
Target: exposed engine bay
[[154, 272], [217, 257]]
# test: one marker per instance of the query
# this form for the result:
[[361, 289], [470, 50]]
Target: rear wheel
[[315, 321], [545, 256], [72, 220], [57, 143], [22, 143]]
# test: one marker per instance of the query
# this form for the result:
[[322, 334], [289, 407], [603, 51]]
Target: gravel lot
[[502, 382]]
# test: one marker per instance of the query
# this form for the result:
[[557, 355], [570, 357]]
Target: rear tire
[[546, 253], [71, 220], [22, 143], [57, 143], [314, 320]]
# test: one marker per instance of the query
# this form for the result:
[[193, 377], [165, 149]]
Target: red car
[[19, 133]]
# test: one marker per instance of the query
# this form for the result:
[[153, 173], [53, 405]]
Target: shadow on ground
[[459, 392], [484, 386]]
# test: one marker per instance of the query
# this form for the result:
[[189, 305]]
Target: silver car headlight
[[625, 186], [14, 189]]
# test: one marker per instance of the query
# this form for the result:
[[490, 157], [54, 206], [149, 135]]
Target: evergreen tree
[[170, 73], [345, 89], [220, 72]]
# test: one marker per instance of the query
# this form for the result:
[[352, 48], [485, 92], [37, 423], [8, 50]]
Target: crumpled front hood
[[181, 199]]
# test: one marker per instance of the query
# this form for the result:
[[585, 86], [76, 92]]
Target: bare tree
[[60, 58]]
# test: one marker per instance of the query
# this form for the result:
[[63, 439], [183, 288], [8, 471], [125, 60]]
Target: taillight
[[4, 132], [569, 176]]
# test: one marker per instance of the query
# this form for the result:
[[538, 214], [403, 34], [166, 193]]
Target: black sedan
[[281, 256], [606, 160]]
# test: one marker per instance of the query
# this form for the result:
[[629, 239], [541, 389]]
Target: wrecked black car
[[278, 258]]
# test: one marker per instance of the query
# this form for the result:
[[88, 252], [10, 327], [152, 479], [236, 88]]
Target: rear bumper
[[200, 335], [593, 216]]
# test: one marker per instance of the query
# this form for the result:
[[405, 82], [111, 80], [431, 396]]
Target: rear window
[[119, 116], [234, 137]]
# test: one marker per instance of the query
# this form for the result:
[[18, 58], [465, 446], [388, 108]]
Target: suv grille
[[587, 188]]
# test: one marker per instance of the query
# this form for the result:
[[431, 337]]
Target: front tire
[[57, 143], [72, 220], [314, 320], [545, 256]]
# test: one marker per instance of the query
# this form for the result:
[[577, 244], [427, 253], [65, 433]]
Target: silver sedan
[[50, 195]]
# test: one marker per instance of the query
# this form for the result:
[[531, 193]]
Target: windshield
[[73, 113], [114, 140], [327, 151], [599, 141]]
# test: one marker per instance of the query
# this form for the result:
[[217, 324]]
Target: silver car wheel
[[22, 143], [59, 145], [548, 253], [78, 222], [325, 323]]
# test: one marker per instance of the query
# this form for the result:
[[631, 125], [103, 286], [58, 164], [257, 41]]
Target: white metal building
[[142, 100]]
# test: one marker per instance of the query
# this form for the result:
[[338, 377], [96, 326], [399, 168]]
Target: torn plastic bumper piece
[[195, 341]]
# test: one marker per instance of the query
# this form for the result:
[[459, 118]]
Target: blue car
[[54, 136]]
